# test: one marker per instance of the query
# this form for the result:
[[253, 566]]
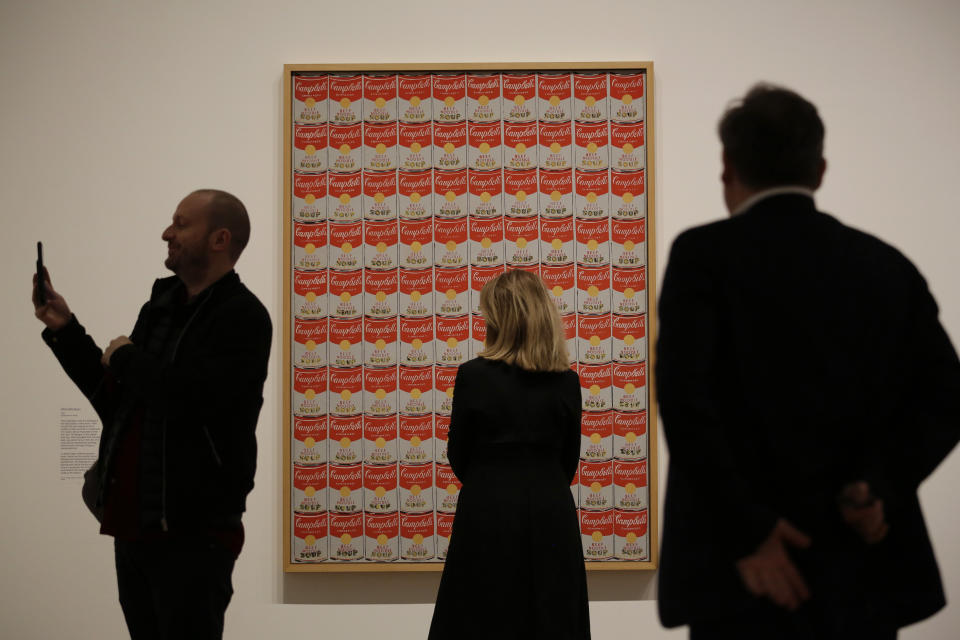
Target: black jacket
[[199, 389], [796, 355]]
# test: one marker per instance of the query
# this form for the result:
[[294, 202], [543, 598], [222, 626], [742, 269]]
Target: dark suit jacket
[[796, 355]]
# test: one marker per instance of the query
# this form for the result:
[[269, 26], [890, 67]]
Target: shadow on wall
[[421, 588]]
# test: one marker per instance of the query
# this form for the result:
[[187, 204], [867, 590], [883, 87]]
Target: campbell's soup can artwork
[[380, 98], [310, 148], [478, 334], [413, 102], [556, 241], [485, 194], [627, 147], [485, 245], [443, 385], [596, 533], [630, 485], [521, 241], [449, 97], [629, 295], [310, 343], [593, 290], [596, 436], [593, 339], [627, 97], [483, 97], [380, 147], [589, 97], [417, 536], [519, 97], [591, 146], [450, 194], [441, 439], [416, 345], [380, 345], [596, 485], [346, 488], [480, 276], [560, 284], [346, 537], [484, 146], [628, 246], [596, 382], [345, 153], [345, 443], [346, 289], [448, 489], [556, 194], [416, 439], [346, 399], [630, 386], [416, 293], [569, 324], [310, 246], [416, 244], [310, 99], [381, 244], [343, 197], [309, 202], [346, 95], [444, 527], [452, 342], [450, 244], [345, 349], [380, 299], [416, 488], [520, 193], [415, 195], [630, 435], [380, 488], [309, 489], [310, 537], [379, 195], [593, 242], [630, 540], [416, 390], [382, 536], [309, 392], [452, 298], [309, 440], [520, 145], [379, 440], [555, 145], [554, 91], [346, 246], [415, 146], [449, 146], [629, 339], [627, 195], [310, 294], [575, 488]]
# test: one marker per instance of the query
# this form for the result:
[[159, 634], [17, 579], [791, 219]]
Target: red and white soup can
[[416, 488], [627, 147], [630, 339], [346, 488], [591, 146], [382, 536], [520, 193], [346, 95], [485, 199], [444, 527], [381, 240], [416, 439], [630, 386], [310, 537], [630, 485], [596, 436], [560, 284], [310, 294], [346, 246], [416, 350], [346, 343], [480, 276], [415, 195], [450, 244], [380, 344], [452, 298], [417, 536], [520, 145], [478, 334], [554, 91], [519, 97], [452, 342], [309, 440], [345, 444], [484, 146], [310, 343], [345, 154], [379, 195], [485, 245], [414, 103], [596, 382], [627, 97], [415, 146], [627, 195], [556, 194], [569, 323], [629, 295], [450, 194], [441, 436], [593, 339], [449, 97], [555, 145], [380, 488], [593, 290], [416, 390], [380, 147], [483, 97], [590, 97], [575, 488], [593, 242], [448, 489], [346, 386], [556, 241], [310, 148], [596, 485], [310, 392], [630, 435], [449, 146], [521, 241], [628, 243], [309, 489], [416, 293], [630, 540], [380, 299], [346, 537], [309, 203], [343, 197], [596, 533], [310, 245], [444, 378], [310, 99], [379, 98]]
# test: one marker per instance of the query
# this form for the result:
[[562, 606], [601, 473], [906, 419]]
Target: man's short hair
[[225, 211], [773, 137]]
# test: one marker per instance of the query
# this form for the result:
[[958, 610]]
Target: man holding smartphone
[[179, 400]]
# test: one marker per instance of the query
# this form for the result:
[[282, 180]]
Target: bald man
[[179, 400]]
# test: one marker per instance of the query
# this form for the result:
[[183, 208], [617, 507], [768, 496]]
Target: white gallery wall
[[112, 110]]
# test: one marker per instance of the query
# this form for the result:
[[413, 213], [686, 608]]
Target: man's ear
[[821, 170], [220, 240]]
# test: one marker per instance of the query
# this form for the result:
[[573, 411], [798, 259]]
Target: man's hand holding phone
[[54, 311]]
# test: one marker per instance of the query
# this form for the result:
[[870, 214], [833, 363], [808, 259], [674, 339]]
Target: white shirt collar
[[767, 193]]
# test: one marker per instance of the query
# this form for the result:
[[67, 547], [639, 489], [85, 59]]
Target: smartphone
[[41, 278]]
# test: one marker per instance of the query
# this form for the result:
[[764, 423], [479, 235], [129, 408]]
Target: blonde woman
[[514, 567]]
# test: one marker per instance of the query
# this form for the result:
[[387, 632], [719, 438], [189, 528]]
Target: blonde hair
[[523, 325]]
